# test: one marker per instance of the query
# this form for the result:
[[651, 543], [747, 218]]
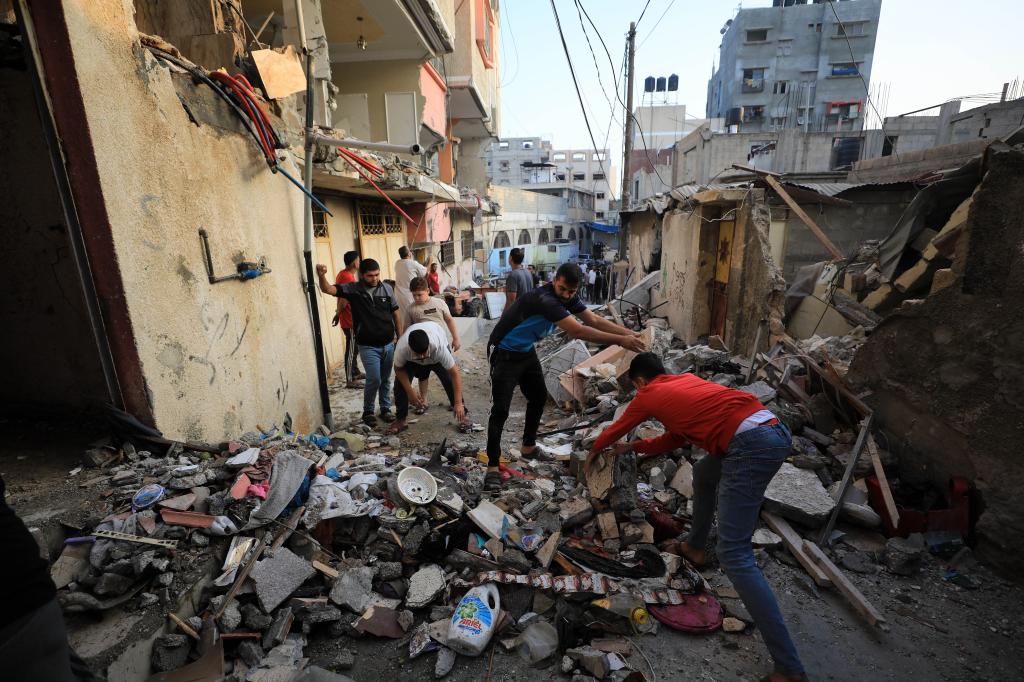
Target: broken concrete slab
[[424, 586], [276, 577], [353, 589], [682, 481], [905, 556], [798, 495], [575, 511], [170, 652], [760, 390], [639, 294]]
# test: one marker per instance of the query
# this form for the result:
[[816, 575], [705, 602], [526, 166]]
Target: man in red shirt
[[343, 319], [747, 445], [434, 280]]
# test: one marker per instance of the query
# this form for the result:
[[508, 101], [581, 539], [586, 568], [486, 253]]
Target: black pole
[[311, 281]]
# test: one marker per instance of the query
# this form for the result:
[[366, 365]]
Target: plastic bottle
[[474, 620]]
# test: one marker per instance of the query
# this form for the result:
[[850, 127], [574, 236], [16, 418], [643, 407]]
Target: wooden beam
[[818, 232], [795, 544], [848, 589], [883, 482]]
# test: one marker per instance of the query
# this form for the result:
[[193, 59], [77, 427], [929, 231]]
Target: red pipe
[[377, 170], [380, 191], [236, 88]]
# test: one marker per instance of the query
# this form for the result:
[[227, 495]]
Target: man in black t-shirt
[[376, 324], [514, 361]]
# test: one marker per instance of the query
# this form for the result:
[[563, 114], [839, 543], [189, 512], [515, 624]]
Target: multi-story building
[[796, 64], [530, 162]]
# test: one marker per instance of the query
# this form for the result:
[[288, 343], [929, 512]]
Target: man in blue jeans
[[747, 445], [376, 324]]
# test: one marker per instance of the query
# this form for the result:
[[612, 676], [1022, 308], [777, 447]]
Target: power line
[[505, 20], [867, 90], [579, 95], [643, 11], [653, 28], [643, 138]]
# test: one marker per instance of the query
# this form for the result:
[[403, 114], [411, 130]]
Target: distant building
[[790, 66]]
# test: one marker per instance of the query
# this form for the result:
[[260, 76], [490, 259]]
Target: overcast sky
[[926, 51]]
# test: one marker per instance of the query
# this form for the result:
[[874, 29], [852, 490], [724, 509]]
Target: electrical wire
[[618, 96], [579, 95], [643, 12], [653, 28]]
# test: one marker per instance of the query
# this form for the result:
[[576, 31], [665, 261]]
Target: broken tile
[[798, 495], [353, 589], [276, 577]]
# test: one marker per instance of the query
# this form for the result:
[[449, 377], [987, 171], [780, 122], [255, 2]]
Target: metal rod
[[351, 143], [825, 539], [311, 288]]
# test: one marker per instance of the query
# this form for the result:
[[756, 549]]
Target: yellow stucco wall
[[217, 359]]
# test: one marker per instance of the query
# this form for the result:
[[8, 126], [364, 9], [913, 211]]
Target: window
[[501, 241], [503, 145], [527, 144], [560, 177], [598, 156], [598, 176], [851, 28], [753, 80], [814, 27], [843, 109], [378, 219], [467, 243], [542, 238], [780, 87], [599, 214], [524, 237], [552, 249], [889, 145], [572, 235], [754, 113], [762, 148], [600, 195], [320, 223], [636, 187], [559, 156], [778, 121], [579, 156], [579, 176], [503, 165], [502, 259], [845, 69], [757, 35], [485, 32], [448, 252], [558, 231]]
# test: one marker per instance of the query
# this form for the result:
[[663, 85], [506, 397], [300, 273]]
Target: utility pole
[[627, 147]]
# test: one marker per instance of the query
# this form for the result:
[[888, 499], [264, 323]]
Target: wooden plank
[[281, 72], [839, 385], [795, 544], [843, 584], [753, 351], [795, 207], [325, 569], [183, 626], [241, 576], [840, 493], [883, 481]]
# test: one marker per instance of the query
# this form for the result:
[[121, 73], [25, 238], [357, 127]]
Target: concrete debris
[[425, 586], [353, 589], [170, 652], [905, 556], [277, 577], [798, 495]]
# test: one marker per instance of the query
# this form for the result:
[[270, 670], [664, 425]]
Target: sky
[[927, 51]]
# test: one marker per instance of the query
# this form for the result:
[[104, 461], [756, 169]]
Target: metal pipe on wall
[[307, 242], [351, 143]]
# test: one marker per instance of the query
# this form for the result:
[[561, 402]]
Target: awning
[[601, 227]]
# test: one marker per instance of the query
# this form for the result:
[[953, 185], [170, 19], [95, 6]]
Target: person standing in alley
[[599, 286], [747, 445], [427, 308], [376, 324], [434, 280], [514, 361], [591, 281], [422, 350], [534, 275], [406, 268], [519, 280], [343, 319]]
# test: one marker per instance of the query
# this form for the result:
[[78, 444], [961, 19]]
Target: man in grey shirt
[[519, 279], [423, 349]]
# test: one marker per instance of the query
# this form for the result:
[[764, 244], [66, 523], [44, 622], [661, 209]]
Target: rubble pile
[[348, 535]]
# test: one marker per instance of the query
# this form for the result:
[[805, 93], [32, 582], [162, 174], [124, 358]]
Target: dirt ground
[[935, 630]]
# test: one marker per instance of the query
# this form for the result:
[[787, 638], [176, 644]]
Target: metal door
[[382, 232]]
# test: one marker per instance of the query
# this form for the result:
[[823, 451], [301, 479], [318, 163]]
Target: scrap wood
[[242, 575], [183, 626], [795, 544], [843, 584], [326, 570], [289, 528], [837, 383], [840, 493], [806, 219], [883, 482]]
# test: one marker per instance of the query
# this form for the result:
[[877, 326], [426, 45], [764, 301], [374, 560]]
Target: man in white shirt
[[591, 279], [423, 349], [406, 268]]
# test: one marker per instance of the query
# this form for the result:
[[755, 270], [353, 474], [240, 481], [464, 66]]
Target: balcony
[[751, 85]]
